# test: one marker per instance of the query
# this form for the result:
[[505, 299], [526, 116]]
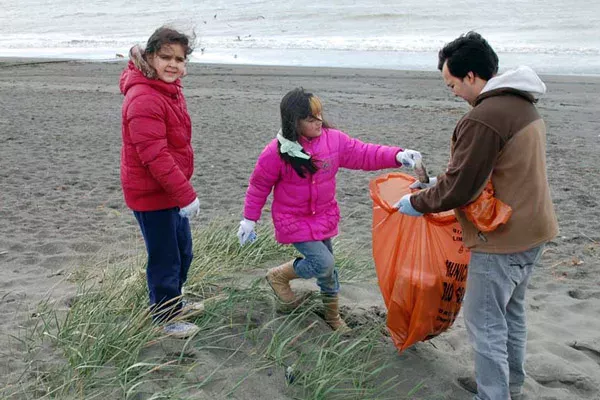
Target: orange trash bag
[[487, 212], [421, 264]]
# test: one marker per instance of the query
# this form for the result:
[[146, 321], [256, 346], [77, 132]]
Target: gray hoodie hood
[[523, 78]]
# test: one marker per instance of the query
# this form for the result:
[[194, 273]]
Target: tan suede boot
[[332, 314], [279, 278]]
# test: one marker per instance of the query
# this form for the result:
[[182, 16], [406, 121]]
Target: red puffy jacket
[[157, 158]]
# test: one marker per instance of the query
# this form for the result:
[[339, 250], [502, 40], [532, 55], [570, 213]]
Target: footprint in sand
[[552, 371], [541, 296], [361, 316], [580, 294], [591, 348]]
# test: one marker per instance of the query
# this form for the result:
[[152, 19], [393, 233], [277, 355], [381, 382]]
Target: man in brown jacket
[[503, 138]]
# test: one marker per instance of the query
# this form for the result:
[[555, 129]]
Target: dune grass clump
[[105, 345]]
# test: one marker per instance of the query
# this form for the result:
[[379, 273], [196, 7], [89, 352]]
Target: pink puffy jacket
[[157, 159], [305, 209]]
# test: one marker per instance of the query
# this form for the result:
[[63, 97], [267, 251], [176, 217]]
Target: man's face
[[465, 88]]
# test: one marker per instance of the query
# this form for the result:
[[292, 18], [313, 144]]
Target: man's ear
[[471, 77]]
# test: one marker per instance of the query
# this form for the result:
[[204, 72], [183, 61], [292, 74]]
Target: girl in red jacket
[[157, 162], [300, 166]]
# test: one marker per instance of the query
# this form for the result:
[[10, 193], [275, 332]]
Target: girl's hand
[[407, 157], [246, 233], [191, 210]]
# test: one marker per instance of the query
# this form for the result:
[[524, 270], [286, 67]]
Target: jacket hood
[[132, 76], [523, 79]]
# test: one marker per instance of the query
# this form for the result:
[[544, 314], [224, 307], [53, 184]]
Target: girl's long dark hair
[[296, 105]]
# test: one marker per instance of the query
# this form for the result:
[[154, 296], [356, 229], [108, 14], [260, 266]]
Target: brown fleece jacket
[[505, 137]]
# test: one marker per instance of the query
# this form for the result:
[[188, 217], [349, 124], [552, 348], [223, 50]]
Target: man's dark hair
[[469, 52]]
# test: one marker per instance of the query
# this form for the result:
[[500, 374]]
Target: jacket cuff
[[187, 199], [415, 203]]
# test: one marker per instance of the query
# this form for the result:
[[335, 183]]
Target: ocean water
[[551, 36]]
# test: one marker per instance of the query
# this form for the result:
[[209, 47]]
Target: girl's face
[[310, 127], [169, 62]]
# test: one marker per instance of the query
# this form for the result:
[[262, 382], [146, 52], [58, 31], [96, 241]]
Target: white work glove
[[421, 185], [246, 233], [407, 157], [191, 210]]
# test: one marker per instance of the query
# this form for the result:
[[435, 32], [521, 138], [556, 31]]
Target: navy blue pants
[[168, 239]]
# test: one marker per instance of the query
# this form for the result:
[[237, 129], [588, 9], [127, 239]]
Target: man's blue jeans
[[494, 311], [318, 262]]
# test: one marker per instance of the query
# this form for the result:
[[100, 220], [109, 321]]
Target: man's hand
[[191, 210], [405, 207], [421, 185]]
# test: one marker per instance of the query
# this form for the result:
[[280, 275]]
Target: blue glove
[[405, 207]]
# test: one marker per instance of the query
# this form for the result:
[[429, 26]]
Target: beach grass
[[104, 345]]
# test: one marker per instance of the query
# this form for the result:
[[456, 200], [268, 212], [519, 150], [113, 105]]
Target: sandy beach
[[61, 200]]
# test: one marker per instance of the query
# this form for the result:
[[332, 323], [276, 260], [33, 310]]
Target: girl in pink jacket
[[300, 166]]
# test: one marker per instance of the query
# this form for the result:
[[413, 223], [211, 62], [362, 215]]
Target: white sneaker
[[180, 329]]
